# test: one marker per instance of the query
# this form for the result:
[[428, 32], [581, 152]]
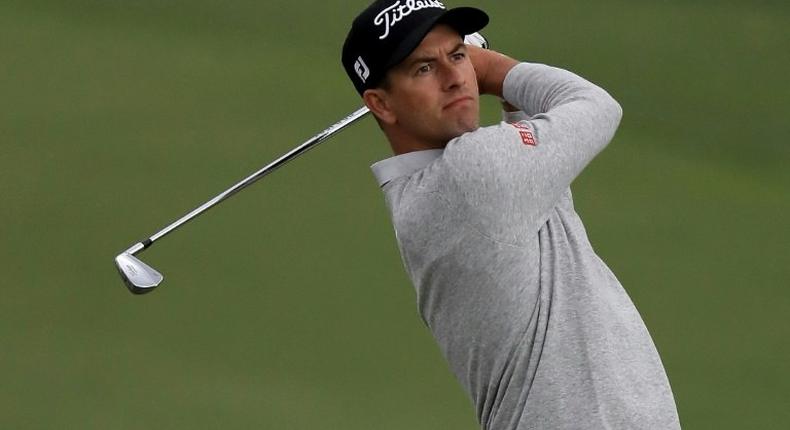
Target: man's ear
[[377, 100]]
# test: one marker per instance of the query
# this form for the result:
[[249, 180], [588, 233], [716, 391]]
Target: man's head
[[408, 61]]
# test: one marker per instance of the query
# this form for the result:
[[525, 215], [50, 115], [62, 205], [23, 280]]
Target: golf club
[[141, 278]]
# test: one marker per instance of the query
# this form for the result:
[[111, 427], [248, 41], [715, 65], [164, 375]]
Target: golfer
[[532, 322]]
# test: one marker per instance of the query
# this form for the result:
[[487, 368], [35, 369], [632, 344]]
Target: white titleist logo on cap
[[362, 69], [391, 15]]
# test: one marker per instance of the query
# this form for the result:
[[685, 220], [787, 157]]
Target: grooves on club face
[[139, 277]]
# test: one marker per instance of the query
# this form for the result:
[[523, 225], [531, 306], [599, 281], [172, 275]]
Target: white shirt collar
[[404, 164]]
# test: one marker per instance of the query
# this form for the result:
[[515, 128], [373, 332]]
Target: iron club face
[[139, 277]]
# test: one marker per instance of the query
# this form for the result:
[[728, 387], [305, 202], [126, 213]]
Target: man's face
[[433, 93]]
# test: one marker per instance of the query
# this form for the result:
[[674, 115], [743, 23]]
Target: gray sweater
[[532, 322]]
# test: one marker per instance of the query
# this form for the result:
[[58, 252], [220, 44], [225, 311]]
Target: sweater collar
[[403, 165]]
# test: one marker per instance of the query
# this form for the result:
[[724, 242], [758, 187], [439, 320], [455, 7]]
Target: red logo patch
[[527, 138]]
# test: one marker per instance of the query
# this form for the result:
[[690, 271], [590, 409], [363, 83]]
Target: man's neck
[[401, 144]]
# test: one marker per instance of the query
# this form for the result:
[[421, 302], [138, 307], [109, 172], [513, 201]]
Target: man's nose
[[452, 76]]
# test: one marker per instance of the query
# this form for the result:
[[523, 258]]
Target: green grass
[[288, 307]]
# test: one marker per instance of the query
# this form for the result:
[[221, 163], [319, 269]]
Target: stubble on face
[[433, 93]]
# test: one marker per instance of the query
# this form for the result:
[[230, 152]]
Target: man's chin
[[460, 132], [467, 126]]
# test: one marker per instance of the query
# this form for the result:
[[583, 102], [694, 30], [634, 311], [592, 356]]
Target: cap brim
[[465, 20]]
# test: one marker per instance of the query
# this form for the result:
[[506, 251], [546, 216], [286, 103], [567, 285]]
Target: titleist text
[[393, 14]]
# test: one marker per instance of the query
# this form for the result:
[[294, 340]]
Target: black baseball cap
[[388, 31]]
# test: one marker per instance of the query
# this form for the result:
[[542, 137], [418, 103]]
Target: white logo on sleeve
[[393, 14], [362, 69]]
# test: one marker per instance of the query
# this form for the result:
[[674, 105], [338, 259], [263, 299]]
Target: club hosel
[[139, 246]]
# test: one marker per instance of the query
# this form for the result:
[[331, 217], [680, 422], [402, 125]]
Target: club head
[[139, 277]]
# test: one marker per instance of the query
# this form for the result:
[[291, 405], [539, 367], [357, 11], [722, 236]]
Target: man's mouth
[[458, 102]]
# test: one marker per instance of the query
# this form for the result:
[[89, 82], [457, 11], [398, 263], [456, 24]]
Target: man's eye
[[425, 68], [459, 56]]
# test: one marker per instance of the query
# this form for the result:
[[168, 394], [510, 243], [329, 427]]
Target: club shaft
[[290, 155]]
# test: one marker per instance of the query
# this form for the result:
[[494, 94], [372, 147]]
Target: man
[[534, 325]]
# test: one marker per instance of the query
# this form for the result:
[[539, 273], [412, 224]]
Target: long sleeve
[[514, 174]]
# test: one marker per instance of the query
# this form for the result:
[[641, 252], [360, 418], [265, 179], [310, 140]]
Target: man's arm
[[514, 175], [491, 67]]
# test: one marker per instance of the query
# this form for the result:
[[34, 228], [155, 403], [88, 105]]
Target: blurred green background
[[287, 307]]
